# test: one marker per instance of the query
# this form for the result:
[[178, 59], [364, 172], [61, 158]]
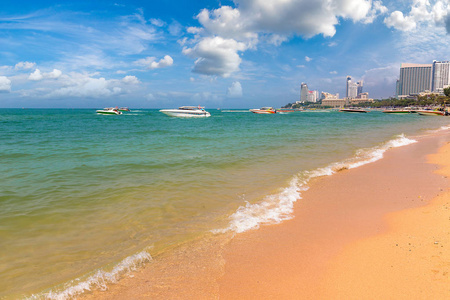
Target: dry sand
[[410, 261], [310, 257], [368, 233]]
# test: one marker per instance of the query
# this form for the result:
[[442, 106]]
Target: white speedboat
[[187, 112], [109, 111], [264, 110], [353, 110], [431, 112]]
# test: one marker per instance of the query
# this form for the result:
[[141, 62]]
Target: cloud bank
[[151, 63], [226, 32], [5, 84], [422, 12]]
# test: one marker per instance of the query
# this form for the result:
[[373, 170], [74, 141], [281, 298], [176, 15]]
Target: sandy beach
[[380, 231]]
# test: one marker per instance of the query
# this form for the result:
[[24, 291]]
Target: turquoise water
[[81, 192]]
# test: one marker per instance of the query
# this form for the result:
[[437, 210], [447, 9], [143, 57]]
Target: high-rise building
[[312, 96], [304, 92], [360, 87], [414, 79], [349, 81], [352, 88], [440, 76]]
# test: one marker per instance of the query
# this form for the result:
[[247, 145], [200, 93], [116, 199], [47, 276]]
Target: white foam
[[279, 207], [99, 280]]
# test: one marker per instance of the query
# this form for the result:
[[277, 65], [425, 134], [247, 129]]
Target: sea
[[85, 198]]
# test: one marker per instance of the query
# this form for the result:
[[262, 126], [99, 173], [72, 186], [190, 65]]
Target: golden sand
[[410, 261], [380, 231]]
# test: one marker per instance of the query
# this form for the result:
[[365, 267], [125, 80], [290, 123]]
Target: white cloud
[[216, 56], [157, 22], [272, 21], [82, 85], [333, 72], [175, 28], [5, 84], [36, 75], [286, 17], [131, 80], [235, 90], [53, 74], [308, 59], [25, 65], [399, 22], [151, 63], [422, 12]]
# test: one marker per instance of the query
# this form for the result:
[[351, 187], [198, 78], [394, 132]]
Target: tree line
[[426, 100]]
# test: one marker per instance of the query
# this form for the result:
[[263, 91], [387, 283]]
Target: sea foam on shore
[[279, 207], [99, 280]]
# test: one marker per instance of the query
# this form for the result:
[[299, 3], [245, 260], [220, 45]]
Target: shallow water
[[80, 192]]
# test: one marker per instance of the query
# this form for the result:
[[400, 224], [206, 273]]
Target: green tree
[[447, 91]]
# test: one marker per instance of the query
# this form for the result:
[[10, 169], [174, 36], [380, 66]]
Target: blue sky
[[227, 54]]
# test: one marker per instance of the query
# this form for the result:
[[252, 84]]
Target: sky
[[218, 54]]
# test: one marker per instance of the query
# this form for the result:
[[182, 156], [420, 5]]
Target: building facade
[[353, 88], [440, 76], [312, 96], [414, 79], [360, 85], [304, 91]]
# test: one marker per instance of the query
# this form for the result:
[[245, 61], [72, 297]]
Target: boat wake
[[280, 207]]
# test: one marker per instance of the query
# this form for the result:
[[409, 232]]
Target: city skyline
[[242, 53]]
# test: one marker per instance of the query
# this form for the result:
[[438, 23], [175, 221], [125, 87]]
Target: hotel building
[[304, 91], [414, 78], [440, 76]]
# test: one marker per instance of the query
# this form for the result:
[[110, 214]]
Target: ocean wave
[[98, 280], [280, 207]]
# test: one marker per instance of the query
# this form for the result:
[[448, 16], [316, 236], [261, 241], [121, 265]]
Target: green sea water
[[81, 192]]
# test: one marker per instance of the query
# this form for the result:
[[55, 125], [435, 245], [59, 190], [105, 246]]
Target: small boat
[[109, 111], [187, 112], [264, 110], [353, 110], [286, 110], [431, 112], [124, 109]]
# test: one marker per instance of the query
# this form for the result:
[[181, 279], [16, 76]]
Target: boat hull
[[185, 114], [431, 113], [353, 110], [105, 112]]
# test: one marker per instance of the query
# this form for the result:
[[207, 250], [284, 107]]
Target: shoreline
[[268, 262]]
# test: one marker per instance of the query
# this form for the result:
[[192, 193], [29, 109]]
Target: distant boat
[[264, 110], [353, 110], [109, 111], [431, 113], [398, 111], [124, 109], [187, 112], [288, 110]]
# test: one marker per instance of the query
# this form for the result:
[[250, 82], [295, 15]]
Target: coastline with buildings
[[416, 82]]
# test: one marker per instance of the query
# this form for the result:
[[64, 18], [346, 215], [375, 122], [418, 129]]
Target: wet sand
[[308, 257], [345, 231]]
